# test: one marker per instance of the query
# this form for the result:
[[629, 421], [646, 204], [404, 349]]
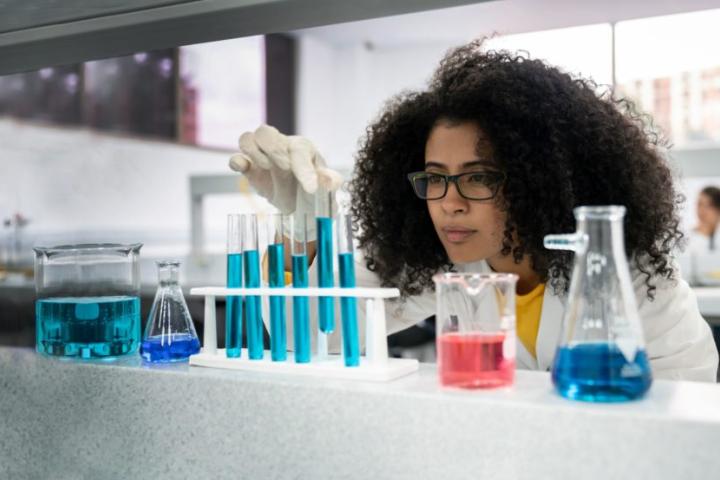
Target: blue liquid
[[276, 274], [348, 307], [326, 305], [88, 327], [301, 310], [233, 308], [253, 306], [598, 372], [169, 348]]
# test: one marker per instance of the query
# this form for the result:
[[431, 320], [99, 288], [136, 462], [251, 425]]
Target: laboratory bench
[[103, 420]]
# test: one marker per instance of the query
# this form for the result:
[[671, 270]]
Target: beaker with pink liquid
[[475, 324]]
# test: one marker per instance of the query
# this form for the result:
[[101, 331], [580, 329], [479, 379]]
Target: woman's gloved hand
[[286, 170]]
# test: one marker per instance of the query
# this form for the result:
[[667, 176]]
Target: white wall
[[342, 88], [79, 185]]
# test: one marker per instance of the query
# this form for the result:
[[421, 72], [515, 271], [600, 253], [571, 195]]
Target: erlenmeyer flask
[[169, 334], [601, 356]]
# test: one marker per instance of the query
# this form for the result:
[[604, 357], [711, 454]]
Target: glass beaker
[[170, 334], [88, 303], [601, 356], [476, 329]]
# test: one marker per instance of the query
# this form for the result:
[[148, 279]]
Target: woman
[[702, 238], [539, 143]]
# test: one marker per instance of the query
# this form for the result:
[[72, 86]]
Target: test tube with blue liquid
[[348, 305], [301, 305], [276, 279], [253, 303], [324, 223], [234, 304]]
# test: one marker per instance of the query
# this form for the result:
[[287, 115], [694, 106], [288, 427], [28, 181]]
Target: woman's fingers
[[329, 179], [302, 153], [240, 162], [249, 147], [274, 145], [267, 148]]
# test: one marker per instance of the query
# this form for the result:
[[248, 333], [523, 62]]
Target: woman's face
[[707, 214], [470, 230]]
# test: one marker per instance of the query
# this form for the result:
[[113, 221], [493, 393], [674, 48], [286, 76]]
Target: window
[[222, 89], [558, 48], [670, 66]]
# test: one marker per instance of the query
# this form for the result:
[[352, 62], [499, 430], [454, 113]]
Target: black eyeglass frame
[[494, 186]]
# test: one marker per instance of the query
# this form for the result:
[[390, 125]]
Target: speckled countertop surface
[[72, 420]]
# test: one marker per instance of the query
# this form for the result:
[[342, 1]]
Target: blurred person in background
[[702, 239]]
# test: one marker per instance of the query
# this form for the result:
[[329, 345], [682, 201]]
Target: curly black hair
[[560, 144]]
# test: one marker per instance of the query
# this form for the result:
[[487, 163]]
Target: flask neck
[[168, 273], [603, 235]]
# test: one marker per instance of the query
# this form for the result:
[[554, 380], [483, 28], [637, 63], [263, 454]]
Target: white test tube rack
[[375, 365]]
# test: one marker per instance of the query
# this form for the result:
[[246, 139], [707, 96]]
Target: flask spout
[[576, 242]]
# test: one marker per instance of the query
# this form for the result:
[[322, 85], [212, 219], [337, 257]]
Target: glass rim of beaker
[[89, 247], [599, 211], [494, 276]]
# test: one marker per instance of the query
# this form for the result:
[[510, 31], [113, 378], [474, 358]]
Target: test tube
[[348, 305], [251, 260], [234, 304], [323, 218], [301, 305], [276, 279]]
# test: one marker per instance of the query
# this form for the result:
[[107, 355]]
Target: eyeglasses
[[471, 185]]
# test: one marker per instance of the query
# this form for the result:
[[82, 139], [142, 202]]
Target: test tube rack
[[375, 365]]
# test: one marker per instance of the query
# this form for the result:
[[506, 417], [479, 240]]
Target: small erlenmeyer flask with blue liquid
[[601, 356], [170, 334]]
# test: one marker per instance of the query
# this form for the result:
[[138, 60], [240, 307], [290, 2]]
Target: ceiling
[[503, 17]]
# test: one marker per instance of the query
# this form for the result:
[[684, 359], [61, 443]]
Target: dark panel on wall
[[280, 79], [47, 95], [132, 94]]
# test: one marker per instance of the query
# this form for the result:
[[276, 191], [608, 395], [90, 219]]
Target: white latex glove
[[276, 165]]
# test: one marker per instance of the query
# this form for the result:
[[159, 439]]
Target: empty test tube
[[348, 305], [234, 304], [301, 306], [251, 260], [276, 279]]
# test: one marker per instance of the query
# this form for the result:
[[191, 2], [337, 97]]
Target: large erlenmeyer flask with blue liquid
[[601, 356]]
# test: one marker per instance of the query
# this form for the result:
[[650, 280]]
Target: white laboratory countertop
[[66, 419]]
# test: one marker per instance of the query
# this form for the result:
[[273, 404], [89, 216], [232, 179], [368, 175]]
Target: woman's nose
[[453, 202]]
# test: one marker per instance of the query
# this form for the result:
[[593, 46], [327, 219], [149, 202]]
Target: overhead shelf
[[56, 32]]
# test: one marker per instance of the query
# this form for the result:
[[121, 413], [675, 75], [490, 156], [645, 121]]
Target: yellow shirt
[[528, 309]]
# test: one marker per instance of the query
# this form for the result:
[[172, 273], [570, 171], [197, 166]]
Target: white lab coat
[[678, 341], [700, 243]]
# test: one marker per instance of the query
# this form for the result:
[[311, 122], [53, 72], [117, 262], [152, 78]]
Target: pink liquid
[[474, 360]]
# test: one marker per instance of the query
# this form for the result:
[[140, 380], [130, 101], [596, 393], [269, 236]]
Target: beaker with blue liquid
[[601, 356], [88, 300]]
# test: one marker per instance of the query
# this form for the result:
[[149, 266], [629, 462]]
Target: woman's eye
[[434, 179], [477, 178]]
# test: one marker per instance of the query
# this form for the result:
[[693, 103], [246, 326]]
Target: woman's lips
[[457, 234]]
